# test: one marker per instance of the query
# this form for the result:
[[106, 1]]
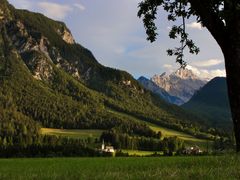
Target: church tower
[[103, 145]]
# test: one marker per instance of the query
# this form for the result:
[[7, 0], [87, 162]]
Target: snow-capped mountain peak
[[183, 83], [185, 74]]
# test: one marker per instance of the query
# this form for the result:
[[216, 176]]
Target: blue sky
[[115, 35]]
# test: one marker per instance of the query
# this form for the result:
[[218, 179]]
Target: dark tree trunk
[[227, 35], [233, 81], [231, 52]]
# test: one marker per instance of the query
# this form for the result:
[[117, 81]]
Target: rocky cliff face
[[150, 85], [59, 83], [37, 51], [183, 83], [66, 35], [1, 14]]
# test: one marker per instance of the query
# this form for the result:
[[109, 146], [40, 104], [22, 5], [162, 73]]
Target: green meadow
[[94, 133], [166, 132], [140, 153], [73, 133], [201, 167]]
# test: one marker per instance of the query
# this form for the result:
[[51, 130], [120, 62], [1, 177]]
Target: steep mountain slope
[[212, 103], [183, 83], [57, 82], [150, 85]]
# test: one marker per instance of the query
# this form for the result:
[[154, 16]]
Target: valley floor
[[202, 167]]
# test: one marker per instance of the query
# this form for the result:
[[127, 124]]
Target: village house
[[194, 150], [108, 149]]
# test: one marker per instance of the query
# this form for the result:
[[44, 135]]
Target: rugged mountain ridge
[[51, 79], [182, 84], [150, 85]]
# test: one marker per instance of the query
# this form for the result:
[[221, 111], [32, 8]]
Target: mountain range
[[208, 100], [150, 85], [51, 81], [176, 88]]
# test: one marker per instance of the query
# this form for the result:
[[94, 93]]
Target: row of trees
[[49, 146], [21, 136], [124, 141]]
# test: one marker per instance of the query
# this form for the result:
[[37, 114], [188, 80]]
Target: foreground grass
[[74, 133], [218, 167]]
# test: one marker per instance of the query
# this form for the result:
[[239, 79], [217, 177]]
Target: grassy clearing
[[140, 153], [208, 167], [169, 133], [165, 131], [83, 134], [189, 139]]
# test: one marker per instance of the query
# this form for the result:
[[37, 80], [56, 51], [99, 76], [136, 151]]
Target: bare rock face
[[42, 54], [183, 83], [66, 35], [4, 12], [21, 28], [127, 83], [1, 14], [41, 69], [150, 85]]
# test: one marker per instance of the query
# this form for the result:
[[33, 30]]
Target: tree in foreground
[[222, 19]]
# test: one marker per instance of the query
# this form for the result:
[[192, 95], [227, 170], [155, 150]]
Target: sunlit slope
[[59, 83], [73, 133]]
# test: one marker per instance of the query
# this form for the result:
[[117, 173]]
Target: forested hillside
[[212, 103], [48, 80]]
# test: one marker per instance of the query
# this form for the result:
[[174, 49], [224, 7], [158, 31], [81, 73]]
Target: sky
[[116, 36]]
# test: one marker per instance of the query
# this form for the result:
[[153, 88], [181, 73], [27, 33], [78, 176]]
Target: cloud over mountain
[[208, 63], [117, 37], [54, 10]]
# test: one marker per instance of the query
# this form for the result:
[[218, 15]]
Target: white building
[[109, 149]]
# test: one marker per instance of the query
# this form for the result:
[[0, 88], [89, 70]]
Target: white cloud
[[54, 10], [147, 52], [119, 50], [195, 25], [218, 72], [208, 63], [21, 4], [79, 6], [116, 35], [207, 74], [168, 66]]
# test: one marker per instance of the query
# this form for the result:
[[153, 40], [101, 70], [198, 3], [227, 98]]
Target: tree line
[[124, 141]]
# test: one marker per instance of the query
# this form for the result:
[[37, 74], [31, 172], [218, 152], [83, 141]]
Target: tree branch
[[210, 19]]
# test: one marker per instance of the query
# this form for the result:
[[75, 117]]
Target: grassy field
[[170, 132], [140, 153], [189, 139], [83, 134], [208, 167], [165, 131], [72, 133]]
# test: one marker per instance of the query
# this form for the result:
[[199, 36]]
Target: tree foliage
[[221, 18], [210, 13]]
